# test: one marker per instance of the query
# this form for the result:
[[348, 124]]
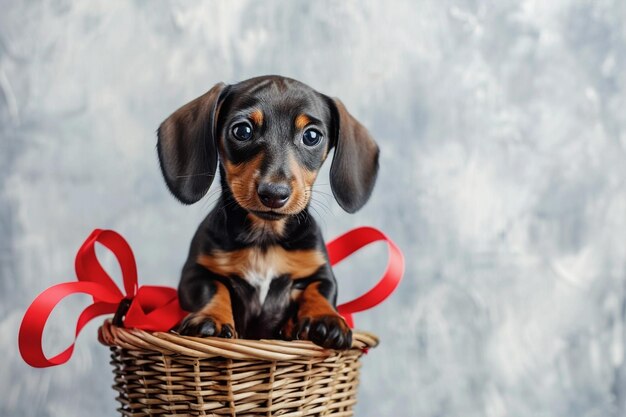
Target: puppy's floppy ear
[[355, 163], [187, 146]]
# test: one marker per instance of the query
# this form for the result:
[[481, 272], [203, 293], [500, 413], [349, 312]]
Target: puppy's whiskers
[[200, 174]]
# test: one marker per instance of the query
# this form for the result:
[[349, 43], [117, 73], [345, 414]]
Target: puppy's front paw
[[327, 331], [202, 325]]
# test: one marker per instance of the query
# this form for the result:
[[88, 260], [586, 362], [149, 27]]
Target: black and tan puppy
[[257, 265]]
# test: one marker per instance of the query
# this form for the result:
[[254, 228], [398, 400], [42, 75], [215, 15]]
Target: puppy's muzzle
[[274, 195]]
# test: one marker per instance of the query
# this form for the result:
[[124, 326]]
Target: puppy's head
[[271, 134]]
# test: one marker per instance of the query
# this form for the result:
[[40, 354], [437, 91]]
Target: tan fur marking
[[275, 259], [219, 308], [257, 117], [313, 304], [242, 179], [301, 186], [302, 120]]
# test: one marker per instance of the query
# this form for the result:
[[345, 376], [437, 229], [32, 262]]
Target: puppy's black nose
[[273, 195]]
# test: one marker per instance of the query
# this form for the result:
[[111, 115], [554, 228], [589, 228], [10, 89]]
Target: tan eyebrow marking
[[257, 117], [302, 120]]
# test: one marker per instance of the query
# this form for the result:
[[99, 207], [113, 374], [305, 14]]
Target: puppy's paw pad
[[201, 325]]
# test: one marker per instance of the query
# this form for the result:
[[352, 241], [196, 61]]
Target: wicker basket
[[158, 374]]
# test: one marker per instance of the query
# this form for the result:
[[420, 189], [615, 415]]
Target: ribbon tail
[[35, 318]]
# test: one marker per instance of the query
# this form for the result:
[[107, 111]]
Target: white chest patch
[[260, 280], [260, 271]]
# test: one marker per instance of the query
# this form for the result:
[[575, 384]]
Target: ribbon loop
[[350, 242], [88, 268]]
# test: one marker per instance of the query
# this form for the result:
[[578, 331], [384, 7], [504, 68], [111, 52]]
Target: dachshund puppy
[[257, 266]]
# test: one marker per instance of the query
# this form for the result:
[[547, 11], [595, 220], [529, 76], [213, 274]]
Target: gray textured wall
[[503, 136]]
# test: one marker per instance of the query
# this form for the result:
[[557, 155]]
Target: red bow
[[156, 308]]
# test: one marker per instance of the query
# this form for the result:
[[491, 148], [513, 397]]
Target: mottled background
[[503, 133]]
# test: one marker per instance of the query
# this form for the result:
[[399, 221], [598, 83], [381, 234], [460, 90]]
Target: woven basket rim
[[170, 343]]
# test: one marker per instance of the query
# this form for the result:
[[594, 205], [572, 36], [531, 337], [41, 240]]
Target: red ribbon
[[151, 307], [350, 242], [156, 308]]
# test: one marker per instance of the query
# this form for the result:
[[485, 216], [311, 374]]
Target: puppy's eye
[[242, 131], [311, 137]]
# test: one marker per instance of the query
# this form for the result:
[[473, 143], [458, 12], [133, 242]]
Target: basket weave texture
[[163, 374]]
